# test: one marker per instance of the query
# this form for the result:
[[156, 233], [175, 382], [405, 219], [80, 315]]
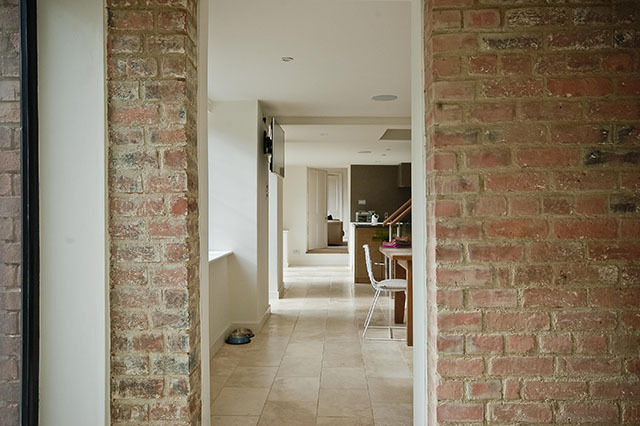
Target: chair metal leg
[[370, 314]]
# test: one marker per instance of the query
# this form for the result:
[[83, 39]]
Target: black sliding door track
[[30, 214]]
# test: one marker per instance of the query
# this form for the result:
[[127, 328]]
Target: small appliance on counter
[[374, 219]]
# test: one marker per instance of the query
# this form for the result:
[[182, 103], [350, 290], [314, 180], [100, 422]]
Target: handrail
[[402, 215], [402, 209]]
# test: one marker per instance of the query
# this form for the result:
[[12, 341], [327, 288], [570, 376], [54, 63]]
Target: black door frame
[[30, 214]]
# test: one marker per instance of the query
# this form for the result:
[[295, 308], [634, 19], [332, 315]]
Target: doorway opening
[[298, 359]]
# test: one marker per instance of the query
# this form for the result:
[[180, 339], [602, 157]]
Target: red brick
[[613, 110], [615, 390], [552, 298], [517, 321], [521, 366], [451, 344], [533, 275], [520, 412], [631, 413], [134, 115], [446, 43], [585, 320], [480, 19], [484, 344], [463, 276], [516, 64], [630, 228], [164, 228], [452, 231], [591, 206], [459, 320], [458, 90], [491, 112], [586, 180], [628, 87], [541, 390], [552, 343], [587, 134], [615, 297], [487, 206], [456, 184], [484, 390], [614, 251], [442, 161], [580, 87], [445, 208], [450, 254], [460, 367], [589, 366], [493, 298], [588, 412], [132, 20], [517, 228], [456, 412], [446, 19], [520, 343], [524, 206], [585, 228], [591, 344], [547, 157], [557, 206], [446, 66], [551, 111], [449, 389], [618, 62], [442, 138], [515, 181], [174, 20], [176, 182], [488, 159], [511, 389], [495, 253], [630, 180], [450, 298], [169, 276], [512, 88], [483, 64]]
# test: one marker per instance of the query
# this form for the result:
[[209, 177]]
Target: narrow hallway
[[309, 364]]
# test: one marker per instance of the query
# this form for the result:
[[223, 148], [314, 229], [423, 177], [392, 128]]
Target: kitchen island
[[362, 233]]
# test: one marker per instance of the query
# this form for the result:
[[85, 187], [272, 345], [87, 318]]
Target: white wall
[[74, 339], [276, 284], [238, 210], [295, 221], [220, 316]]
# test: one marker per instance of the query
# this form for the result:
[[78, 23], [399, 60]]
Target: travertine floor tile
[[309, 364]]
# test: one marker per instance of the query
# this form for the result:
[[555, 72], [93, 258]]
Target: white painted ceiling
[[340, 145], [344, 53]]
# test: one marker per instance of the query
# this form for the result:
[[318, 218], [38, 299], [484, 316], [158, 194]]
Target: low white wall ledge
[[218, 254]]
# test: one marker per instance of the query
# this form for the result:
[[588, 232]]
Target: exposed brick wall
[[534, 217], [10, 214], [153, 215]]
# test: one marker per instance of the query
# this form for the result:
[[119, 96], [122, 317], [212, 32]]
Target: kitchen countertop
[[367, 224]]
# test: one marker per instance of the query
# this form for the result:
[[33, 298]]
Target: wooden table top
[[396, 253]]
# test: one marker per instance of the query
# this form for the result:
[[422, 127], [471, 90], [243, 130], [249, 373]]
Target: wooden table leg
[[399, 297], [398, 310]]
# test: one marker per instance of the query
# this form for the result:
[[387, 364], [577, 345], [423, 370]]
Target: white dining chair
[[390, 286]]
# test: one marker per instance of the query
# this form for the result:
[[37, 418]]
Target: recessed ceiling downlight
[[384, 98], [287, 59]]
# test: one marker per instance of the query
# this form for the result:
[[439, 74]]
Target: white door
[[334, 195], [316, 208]]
